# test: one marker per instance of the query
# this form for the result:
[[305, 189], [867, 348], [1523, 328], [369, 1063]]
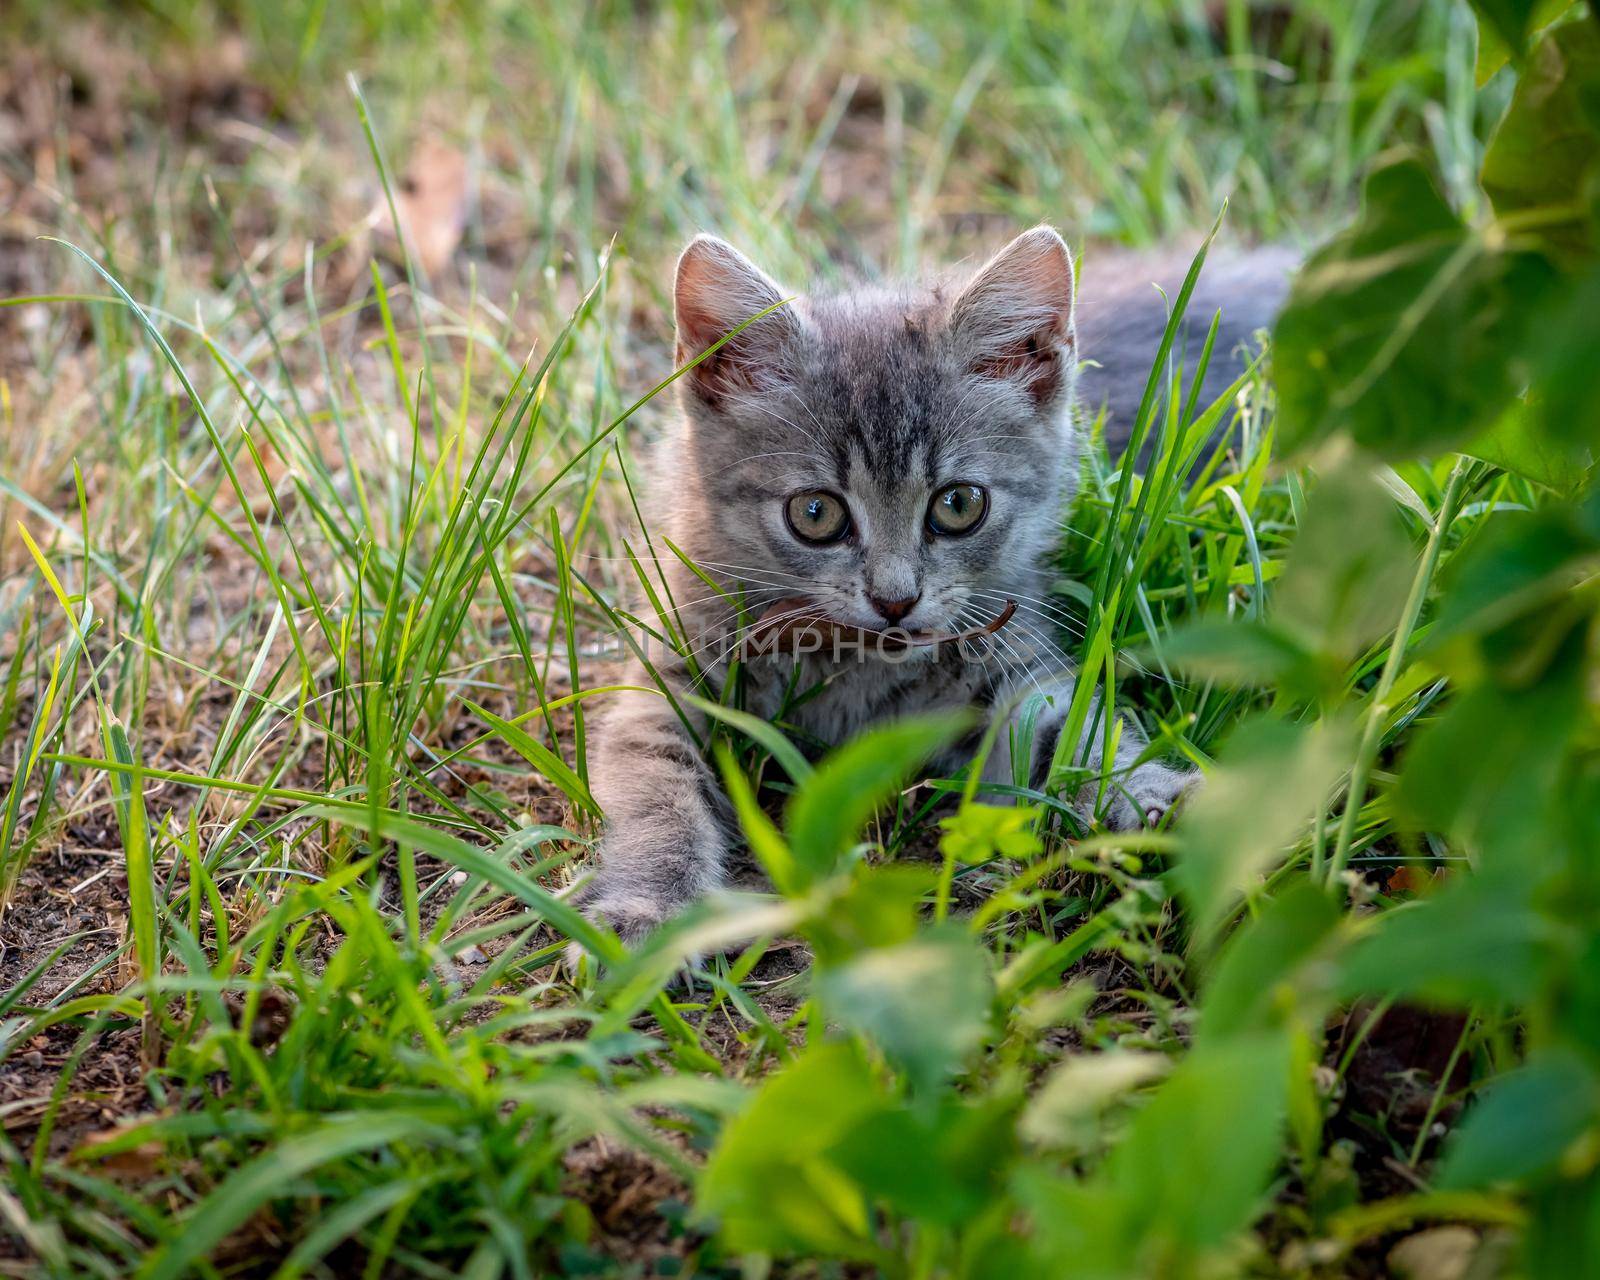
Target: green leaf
[[762, 732], [1524, 1123], [876, 906], [1261, 978], [1488, 770], [1522, 567], [1090, 1222], [1478, 939], [1545, 154], [826, 815], [1349, 569], [1273, 778], [764, 839], [977, 833], [1407, 330], [1503, 29], [1203, 1150], [1511, 20], [942, 1164], [546, 761], [1566, 398], [772, 1184], [1521, 444], [1080, 1089], [1246, 652], [924, 1003], [133, 824], [1492, 768]]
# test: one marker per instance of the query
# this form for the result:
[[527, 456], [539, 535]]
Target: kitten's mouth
[[794, 626]]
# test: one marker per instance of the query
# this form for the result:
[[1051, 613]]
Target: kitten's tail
[[1122, 316]]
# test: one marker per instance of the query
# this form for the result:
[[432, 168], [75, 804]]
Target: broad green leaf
[[771, 1184], [1262, 978], [1523, 1124], [1246, 652], [876, 906], [1566, 400], [1545, 154], [1349, 569], [1512, 20], [924, 1003], [1203, 1150], [1523, 566], [1080, 1089], [1492, 768], [976, 833], [1407, 330], [1091, 1222], [943, 1164], [1273, 777], [826, 815], [1504, 26], [1521, 444], [1478, 939]]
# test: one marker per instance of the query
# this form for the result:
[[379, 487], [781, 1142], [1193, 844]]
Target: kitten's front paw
[[1149, 794], [631, 917]]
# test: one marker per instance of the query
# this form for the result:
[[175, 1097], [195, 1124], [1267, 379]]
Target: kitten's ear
[[1014, 321], [717, 290]]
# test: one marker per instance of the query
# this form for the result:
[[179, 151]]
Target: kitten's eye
[[958, 509], [817, 517]]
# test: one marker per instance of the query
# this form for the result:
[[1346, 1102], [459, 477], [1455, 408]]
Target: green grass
[[310, 563]]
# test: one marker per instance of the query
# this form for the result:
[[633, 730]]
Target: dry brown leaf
[[1414, 879], [1440, 1253], [129, 1163], [431, 201]]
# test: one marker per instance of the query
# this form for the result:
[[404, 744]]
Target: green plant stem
[[1378, 712]]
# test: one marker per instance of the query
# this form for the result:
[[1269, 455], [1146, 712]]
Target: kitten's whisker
[[1045, 647], [1005, 648], [773, 453], [739, 634], [800, 400], [728, 643], [659, 561], [953, 424], [1040, 607], [1067, 528], [753, 602], [754, 570], [792, 424]]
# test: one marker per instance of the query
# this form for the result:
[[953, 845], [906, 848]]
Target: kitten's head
[[897, 457]]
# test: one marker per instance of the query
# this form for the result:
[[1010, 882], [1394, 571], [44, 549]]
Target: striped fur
[[883, 397]]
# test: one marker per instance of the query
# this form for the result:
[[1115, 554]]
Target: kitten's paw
[[630, 917], [1151, 792]]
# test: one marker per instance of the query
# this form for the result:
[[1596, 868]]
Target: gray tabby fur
[[882, 395]]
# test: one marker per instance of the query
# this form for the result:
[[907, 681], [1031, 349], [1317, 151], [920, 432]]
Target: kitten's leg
[[1136, 795], [666, 836]]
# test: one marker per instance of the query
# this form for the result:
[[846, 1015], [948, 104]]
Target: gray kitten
[[894, 459]]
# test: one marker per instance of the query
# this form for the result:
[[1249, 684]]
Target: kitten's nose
[[894, 610]]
